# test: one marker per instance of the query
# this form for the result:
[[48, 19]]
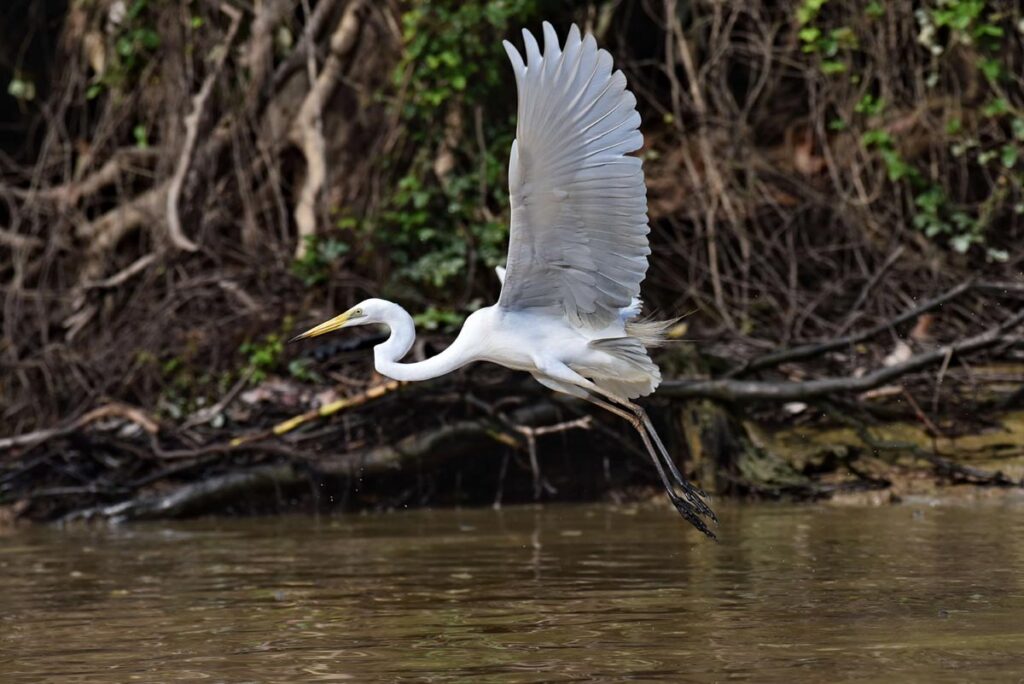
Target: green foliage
[[837, 124], [304, 369], [808, 11], [971, 23], [935, 214], [135, 44], [22, 88], [996, 108], [441, 215], [321, 255], [438, 319], [264, 356], [141, 136], [450, 50], [831, 67], [876, 138], [957, 14], [943, 25], [186, 386], [444, 210], [431, 227], [869, 105], [828, 44], [936, 217]]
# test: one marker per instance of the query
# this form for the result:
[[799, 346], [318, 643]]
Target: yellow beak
[[327, 326]]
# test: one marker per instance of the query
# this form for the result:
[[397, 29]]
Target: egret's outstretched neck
[[386, 356]]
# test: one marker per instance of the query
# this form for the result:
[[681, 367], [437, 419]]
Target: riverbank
[[454, 444]]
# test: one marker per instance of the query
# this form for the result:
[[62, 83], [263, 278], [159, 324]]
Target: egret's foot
[[694, 496], [692, 513], [687, 494]]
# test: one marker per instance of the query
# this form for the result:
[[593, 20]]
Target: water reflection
[[555, 594]]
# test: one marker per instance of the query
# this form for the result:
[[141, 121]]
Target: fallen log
[[259, 482]]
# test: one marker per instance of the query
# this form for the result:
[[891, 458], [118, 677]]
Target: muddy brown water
[[909, 593]]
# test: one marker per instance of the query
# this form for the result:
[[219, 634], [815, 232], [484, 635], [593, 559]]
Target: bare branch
[[114, 410], [70, 193], [807, 351], [729, 389]]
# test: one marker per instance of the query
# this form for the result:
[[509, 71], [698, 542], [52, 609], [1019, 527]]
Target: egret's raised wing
[[578, 241]]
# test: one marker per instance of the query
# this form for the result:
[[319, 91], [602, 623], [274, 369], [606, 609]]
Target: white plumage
[[578, 242], [577, 253]]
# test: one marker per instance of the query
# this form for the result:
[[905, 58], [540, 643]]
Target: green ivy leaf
[[960, 243], [996, 108], [992, 69], [124, 46], [1000, 255], [1017, 126], [150, 39], [809, 34], [876, 138], [141, 137], [1009, 155], [869, 105]]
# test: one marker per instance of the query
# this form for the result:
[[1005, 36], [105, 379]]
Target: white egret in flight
[[569, 307]]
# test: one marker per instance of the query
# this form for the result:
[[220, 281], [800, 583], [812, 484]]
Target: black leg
[[690, 505], [693, 494]]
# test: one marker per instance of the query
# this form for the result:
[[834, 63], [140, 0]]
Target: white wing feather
[[578, 242]]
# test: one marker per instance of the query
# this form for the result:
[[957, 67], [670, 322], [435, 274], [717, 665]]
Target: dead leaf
[[900, 353], [95, 51], [920, 331], [805, 160]]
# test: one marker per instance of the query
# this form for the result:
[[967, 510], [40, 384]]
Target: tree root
[[192, 122], [307, 130]]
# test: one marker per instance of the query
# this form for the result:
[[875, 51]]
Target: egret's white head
[[366, 311]]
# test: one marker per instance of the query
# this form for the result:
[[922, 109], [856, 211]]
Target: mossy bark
[[723, 457]]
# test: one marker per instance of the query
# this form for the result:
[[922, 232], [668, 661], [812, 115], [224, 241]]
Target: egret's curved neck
[[386, 356]]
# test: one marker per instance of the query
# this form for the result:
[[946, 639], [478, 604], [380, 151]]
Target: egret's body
[[569, 304], [522, 340]]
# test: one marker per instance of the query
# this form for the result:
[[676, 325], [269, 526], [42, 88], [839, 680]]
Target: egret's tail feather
[[636, 376], [650, 332]]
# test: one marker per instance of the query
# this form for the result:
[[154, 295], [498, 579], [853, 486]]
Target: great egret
[[569, 307]]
